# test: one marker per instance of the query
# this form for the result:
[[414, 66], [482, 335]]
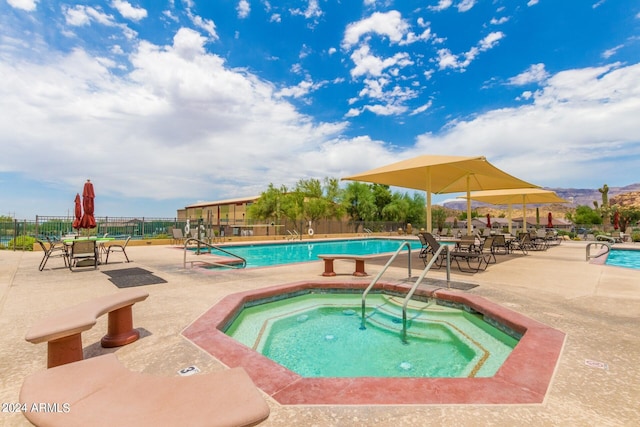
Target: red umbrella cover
[[78, 212], [616, 220], [549, 220], [488, 221], [88, 220]]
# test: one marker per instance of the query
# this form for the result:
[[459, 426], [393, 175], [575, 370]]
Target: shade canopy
[[512, 196], [442, 175]]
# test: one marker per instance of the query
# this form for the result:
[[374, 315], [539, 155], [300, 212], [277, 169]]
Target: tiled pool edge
[[524, 378]]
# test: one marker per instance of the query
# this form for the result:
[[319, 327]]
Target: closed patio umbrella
[[517, 196], [77, 212], [488, 221], [442, 175], [550, 220], [88, 220]]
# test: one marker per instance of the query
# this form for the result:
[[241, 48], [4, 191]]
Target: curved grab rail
[[379, 275], [210, 246], [600, 245], [418, 281]]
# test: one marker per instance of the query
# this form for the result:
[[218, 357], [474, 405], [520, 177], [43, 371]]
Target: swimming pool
[[318, 334], [270, 254], [628, 258]]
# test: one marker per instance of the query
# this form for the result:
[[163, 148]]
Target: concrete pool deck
[[598, 307]]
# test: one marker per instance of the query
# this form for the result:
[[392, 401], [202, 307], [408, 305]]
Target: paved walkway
[[598, 307]]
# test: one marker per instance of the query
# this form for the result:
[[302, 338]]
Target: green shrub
[[635, 236], [24, 243]]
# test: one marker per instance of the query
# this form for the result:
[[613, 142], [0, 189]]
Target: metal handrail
[[415, 285], [379, 275], [600, 245], [210, 246]]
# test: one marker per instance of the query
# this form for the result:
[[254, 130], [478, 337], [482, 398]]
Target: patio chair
[[118, 248], [522, 242], [55, 249], [178, 237], [500, 245], [83, 250]]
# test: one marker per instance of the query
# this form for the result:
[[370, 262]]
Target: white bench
[[100, 391], [62, 330], [359, 260]]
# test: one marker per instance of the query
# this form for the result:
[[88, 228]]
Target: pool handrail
[[419, 280], [600, 245], [379, 275], [210, 246]]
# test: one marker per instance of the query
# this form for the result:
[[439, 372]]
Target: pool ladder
[[413, 288], [209, 246]]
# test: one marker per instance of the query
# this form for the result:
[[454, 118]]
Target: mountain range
[[628, 195]]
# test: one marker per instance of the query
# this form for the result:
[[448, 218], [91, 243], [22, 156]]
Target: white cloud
[[580, 117], [536, 73], [369, 64], [499, 21], [80, 16], [129, 11], [446, 59], [28, 5], [466, 5], [243, 8], [312, 11], [442, 5], [610, 52], [532, 3], [389, 24], [180, 121]]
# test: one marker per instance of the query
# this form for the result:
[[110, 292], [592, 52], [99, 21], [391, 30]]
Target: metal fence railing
[[21, 234]]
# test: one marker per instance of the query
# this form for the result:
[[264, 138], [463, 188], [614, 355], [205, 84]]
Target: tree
[[438, 217], [268, 207], [585, 215], [359, 202]]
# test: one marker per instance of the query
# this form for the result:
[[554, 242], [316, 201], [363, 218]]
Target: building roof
[[223, 202]]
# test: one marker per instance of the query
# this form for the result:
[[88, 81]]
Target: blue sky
[[168, 103]]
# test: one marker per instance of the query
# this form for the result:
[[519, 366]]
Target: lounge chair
[[118, 248], [178, 237], [500, 245], [55, 250], [475, 259], [83, 250], [522, 242]]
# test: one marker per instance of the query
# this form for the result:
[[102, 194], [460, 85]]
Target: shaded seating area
[[117, 248], [100, 391], [52, 249]]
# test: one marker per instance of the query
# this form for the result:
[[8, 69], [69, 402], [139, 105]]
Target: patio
[[593, 384]]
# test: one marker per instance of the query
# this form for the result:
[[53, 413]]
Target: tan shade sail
[[442, 175], [516, 196]]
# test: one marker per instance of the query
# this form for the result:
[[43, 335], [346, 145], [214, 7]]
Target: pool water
[[265, 255], [629, 258], [319, 335]]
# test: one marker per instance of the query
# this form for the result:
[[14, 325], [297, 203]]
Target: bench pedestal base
[[64, 350], [120, 328]]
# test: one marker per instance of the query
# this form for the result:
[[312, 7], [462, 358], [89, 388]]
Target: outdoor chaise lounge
[[475, 259], [100, 391]]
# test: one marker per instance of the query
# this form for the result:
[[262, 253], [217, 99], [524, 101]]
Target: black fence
[[21, 234]]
